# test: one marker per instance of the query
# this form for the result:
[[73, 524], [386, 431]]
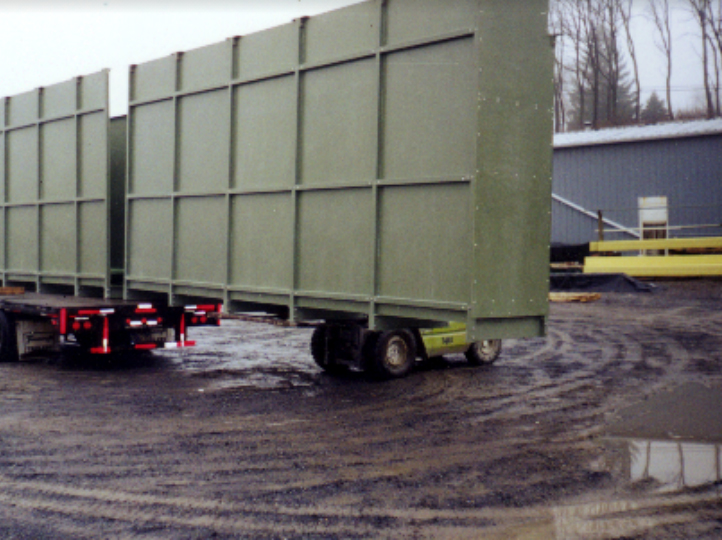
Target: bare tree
[[557, 27], [715, 24], [701, 11], [660, 12], [611, 54], [716, 71], [610, 95], [576, 31], [592, 21], [591, 77], [624, 7]]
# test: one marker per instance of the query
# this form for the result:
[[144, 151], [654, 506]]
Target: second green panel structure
[[61, 197]]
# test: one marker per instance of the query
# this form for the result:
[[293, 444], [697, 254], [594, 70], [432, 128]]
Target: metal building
[[611, 170]]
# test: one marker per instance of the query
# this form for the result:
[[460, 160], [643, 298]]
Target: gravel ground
[[609, 428]]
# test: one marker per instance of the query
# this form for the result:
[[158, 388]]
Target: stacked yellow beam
[[657, 265]]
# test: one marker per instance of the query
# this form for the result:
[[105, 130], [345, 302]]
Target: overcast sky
[[43, 42]]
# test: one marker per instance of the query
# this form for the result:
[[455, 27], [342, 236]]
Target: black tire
[[318, 352], [8, 339], [483, 352], [394, 354]]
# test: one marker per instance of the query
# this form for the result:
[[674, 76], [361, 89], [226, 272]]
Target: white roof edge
[[669, 130]]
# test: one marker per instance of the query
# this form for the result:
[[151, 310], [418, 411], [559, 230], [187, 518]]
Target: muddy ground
[[610, 428]]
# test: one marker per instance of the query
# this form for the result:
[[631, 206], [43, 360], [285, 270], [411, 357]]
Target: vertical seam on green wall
[[128, 177], [3, 182], [475, 184], [379, 164], [38, 189], [295, 203], [235, 46], [108, 176], [176, 180], [78, 193]]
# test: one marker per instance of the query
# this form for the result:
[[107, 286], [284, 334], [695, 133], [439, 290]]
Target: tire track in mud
[[446, 453], [585, 520]]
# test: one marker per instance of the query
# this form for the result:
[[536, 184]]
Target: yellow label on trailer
[[448, 340]]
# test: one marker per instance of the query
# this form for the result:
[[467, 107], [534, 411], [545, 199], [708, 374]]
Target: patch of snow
[[669, 130]]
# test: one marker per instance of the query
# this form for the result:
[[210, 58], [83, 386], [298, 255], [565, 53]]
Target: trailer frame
[[33, 322]]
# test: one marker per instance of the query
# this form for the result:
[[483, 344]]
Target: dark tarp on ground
[[561, 253], [573, 282]]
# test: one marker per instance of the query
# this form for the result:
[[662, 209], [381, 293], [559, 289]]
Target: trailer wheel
[[394, 354], [319, 347], [8, 339], [484, 352]]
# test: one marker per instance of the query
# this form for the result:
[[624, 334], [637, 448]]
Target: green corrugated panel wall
[[390, 159]]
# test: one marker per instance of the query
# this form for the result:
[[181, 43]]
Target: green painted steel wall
[[391, 159], [54, 182], [118, 139]]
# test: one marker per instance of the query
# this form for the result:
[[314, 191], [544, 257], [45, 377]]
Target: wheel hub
[[396, 352]]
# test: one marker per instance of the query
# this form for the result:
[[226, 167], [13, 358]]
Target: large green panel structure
[[390, 161], [58, 205]]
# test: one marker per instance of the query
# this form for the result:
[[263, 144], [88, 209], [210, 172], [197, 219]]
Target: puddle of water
[[673, 477], [242, 354], [671, 441], [665, 452], [674, 466], [667, 466]]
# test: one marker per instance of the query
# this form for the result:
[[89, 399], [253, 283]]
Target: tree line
[[597, 82]]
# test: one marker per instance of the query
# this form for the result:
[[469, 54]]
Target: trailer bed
[[52, 302], [32, 321]]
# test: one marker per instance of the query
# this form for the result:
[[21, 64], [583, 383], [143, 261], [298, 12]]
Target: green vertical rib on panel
[[298, 143], [175, 177], [118, 157], [513, 186], [235, 45], [3, 186], [375, 228]]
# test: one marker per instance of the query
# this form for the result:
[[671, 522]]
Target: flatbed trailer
[[32, 322], [384, 168]]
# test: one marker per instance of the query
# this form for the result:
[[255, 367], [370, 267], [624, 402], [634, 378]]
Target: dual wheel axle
[[387, 355]]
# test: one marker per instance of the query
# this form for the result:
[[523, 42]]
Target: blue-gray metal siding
[[610, 177]]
